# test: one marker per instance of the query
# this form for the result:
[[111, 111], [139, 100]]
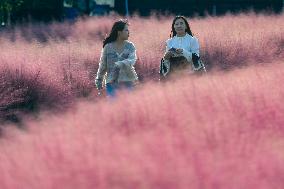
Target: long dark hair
[[117, 26], [187, 30]]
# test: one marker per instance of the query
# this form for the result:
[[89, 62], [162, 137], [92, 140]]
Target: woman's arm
[[131, 60], [167, 54], [102, 68], [194, 48]]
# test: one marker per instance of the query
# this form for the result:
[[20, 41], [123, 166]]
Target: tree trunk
[[8, 18], [87, 11]]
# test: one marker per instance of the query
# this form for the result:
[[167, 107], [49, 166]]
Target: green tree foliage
[[10, 5], [7, 7]]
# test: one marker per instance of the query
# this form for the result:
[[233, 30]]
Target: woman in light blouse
[[117, 60], [182, 49]]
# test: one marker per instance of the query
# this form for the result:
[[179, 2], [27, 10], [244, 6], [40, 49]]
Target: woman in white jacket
[[182, 49]]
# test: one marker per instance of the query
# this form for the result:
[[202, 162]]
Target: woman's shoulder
[[168, 41], [107, 46], [130, 45], [194, 38]]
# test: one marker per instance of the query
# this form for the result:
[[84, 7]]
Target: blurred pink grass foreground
[[218, 131], [223, 130]]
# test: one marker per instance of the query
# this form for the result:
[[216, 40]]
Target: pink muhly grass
[[68, 54], [217, 131], [25, 91]]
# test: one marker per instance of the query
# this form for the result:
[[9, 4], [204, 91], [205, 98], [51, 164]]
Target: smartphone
[[173, 49]]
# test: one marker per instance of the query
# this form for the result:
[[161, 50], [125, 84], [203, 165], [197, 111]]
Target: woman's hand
[[115, 73], [179, 51], [99, 84], [168, 55]]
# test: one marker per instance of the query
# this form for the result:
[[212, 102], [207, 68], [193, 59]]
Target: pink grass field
[[63, 57], [218, 131]]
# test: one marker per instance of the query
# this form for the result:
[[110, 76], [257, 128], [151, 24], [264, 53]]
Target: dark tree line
[[30, 10], [199, 7], [46, 10]]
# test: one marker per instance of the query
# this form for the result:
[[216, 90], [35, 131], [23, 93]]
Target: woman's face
[[180, 26], [124, 34]]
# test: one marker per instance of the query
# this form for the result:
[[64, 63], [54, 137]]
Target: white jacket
[[188, 43]]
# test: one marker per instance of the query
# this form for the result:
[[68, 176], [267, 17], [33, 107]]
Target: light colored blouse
[[188, 43], [124, 60]]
